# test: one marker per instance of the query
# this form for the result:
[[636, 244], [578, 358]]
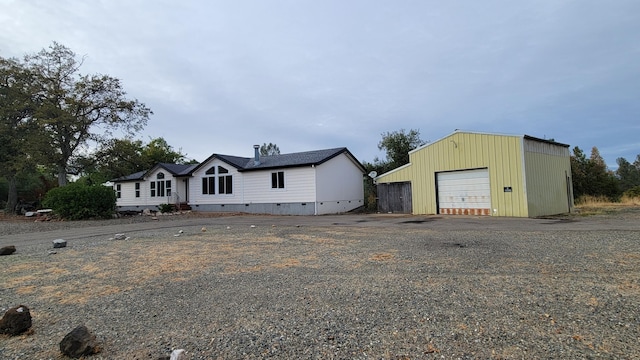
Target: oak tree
[[75, 109], [16, 124]]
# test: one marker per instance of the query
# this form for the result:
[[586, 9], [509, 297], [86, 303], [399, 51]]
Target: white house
[[306, 183]]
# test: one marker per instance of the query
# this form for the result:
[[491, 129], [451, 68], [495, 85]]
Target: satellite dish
[[373, 174]]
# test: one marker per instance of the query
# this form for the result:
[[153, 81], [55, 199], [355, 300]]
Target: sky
[[221, 76]]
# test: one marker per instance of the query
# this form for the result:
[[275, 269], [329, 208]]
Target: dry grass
[[601, 205], [75, 277], [381, 257]]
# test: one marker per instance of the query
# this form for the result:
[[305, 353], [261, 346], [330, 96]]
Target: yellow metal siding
[[547, 168], [500, 154], [398, 175]]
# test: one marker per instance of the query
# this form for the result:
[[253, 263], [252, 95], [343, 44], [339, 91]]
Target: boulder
[[15, 321], [7, 250], [120, 237], [79, 342], [59, 243]]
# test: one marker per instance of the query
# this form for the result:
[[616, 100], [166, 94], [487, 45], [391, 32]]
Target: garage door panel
[[464, 192]]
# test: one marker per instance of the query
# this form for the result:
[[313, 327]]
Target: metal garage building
[[473, 173]]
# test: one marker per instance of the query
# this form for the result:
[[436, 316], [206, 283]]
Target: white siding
[[196, 197], [153, 201], [128, 197], [128, 194], [342, 189], [340, 185], [299, 186]]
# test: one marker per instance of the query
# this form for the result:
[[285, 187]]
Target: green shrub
[[165, 208], [78, 201], [634, 192]]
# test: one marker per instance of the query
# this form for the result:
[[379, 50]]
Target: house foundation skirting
[[253, 208], [297, 208]]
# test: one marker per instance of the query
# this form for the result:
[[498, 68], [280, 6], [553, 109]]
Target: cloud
[[221, 76]]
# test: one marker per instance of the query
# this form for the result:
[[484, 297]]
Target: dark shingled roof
[[306, 158], [174, 169], [177, 169], [135, 176]]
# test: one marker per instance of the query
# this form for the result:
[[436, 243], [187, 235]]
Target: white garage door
[[464, 192]]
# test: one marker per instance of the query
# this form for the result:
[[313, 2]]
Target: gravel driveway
[[330, 287]]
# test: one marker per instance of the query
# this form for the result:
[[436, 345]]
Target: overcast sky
[[221, 76]]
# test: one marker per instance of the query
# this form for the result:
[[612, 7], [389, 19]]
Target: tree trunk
[[62, 176], [12, 198]]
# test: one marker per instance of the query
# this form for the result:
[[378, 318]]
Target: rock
[[15, 321], [120, 237], [79, 342], [59, 243], [146, 212], [204, 229], [7, 250], [177, 354]]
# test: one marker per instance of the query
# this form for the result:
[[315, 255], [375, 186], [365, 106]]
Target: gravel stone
[[340, 287]]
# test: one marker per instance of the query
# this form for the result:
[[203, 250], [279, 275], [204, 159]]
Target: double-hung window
[[277, 180]]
